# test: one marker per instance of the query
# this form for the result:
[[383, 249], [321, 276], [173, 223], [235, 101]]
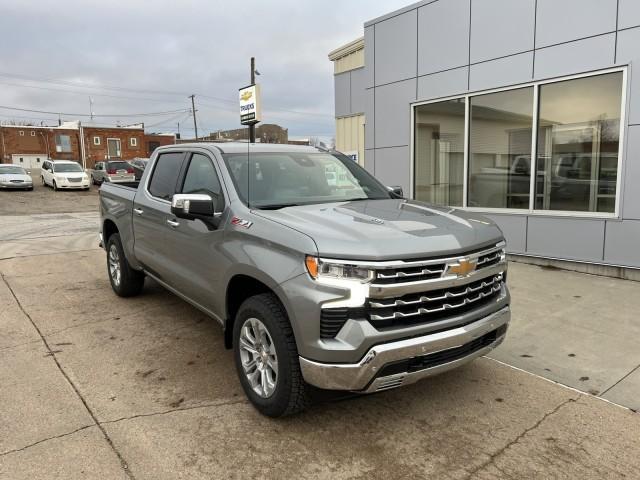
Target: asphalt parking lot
[[95, 386]]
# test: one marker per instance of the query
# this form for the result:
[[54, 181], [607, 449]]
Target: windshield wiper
[[276, 206]]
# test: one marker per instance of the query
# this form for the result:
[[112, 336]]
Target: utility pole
[[252, 127], [193, 112]]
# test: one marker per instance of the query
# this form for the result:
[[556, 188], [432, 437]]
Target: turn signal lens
[[312, 265]]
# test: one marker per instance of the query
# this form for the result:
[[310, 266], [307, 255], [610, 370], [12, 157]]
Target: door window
[[165, 175], [201, 177]]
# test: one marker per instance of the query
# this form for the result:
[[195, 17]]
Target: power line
[[149, 114]]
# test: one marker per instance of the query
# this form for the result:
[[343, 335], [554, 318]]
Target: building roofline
[[346, 49], [397, 12]]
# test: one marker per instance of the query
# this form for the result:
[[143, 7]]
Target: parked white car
[[64, 174], [14, 176]]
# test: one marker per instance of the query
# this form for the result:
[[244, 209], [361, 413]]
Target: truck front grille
[[432, 305]]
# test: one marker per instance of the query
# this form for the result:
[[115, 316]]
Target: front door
[[198, 262], [151, 211], [113, 148]]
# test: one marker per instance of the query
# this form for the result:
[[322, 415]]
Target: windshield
[[275, 180], [66, 167], [12, 170]]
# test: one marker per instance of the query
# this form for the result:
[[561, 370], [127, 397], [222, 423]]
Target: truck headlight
[[319, 269]]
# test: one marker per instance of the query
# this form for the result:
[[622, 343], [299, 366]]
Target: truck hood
[[387, 229]]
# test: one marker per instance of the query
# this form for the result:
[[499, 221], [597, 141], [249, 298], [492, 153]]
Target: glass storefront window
[[576, 152], [439, 152], [578, 138], [500, 149]]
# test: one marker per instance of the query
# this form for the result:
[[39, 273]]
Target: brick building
[[265, 133], [30, 145]]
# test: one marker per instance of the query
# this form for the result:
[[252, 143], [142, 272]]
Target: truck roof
[[241, 147]]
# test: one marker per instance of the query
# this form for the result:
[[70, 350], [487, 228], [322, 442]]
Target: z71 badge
[[241, 222]]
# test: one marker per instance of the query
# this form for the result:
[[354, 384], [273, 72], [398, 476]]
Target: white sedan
[[15, 177]]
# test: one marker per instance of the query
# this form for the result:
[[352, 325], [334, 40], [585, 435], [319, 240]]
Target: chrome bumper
[[362, 376]]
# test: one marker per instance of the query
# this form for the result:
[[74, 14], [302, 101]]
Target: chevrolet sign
[[250, 109]]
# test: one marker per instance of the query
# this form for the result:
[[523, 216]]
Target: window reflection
[[439, 152], [578, 137], [500, 149]]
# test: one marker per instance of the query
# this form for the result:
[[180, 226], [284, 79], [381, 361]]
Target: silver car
[[113, 171], [15, 177]]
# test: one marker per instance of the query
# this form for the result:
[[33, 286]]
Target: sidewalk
[[576, 329]]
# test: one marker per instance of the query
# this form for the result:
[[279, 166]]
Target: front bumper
[[72, 185], [393, 364], [17, 186]]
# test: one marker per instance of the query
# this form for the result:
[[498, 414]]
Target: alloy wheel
[[114, 265], [258, 357]]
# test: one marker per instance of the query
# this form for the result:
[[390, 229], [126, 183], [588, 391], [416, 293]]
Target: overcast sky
[[155, 53]]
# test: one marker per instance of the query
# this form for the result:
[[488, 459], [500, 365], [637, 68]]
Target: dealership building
[[527, 111]]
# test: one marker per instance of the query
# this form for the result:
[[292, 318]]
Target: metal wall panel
[[396, 48], [370, 161], [575, 57], [631, 177], [369, 57], [621, 243], [369, 118], [567, 238], [496, 35], [443, 84], [393, 114], [514, 228], [628, 13], [628, 51], [567, 20], [342, 85], [357, 91], [502, 72], [392, 166], [443, 36]]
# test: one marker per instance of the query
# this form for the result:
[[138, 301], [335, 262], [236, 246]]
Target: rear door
[[152, 211], [197, 261]]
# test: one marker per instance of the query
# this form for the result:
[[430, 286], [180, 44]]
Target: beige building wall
[[350, 135], [350, 128]]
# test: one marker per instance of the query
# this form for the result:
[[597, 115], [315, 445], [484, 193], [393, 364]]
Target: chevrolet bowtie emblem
[[462, 268], [246, 95]]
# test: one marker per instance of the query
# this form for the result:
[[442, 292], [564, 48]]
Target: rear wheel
[[125, 281], [267, 357]]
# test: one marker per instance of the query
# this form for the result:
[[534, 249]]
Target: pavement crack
[[16, 450], [502, 450], [123, 462], [164, 412]]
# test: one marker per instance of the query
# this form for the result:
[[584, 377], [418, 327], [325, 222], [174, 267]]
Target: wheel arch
[[242, 286]]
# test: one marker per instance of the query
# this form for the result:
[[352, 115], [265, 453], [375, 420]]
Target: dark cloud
[[159, 46]]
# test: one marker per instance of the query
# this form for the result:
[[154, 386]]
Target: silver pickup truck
[[343, 285]]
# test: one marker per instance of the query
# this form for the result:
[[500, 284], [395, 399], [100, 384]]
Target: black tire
[[55, 186], [130, 281], [44, 184], [291, 392]]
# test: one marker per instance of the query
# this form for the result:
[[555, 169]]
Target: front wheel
[[267, 357], [125, 281], [55, 186]]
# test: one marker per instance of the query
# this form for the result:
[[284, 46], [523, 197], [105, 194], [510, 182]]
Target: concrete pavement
[[95, 386]]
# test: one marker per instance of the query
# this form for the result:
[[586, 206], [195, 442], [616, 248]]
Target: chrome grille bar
[[424, 271], [444, 296], [443, 307]]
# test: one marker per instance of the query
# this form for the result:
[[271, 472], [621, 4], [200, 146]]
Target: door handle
[[138, 211], [173, 223]]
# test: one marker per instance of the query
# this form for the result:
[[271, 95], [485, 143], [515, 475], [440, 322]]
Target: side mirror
[[396, 190], [195, 206]]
